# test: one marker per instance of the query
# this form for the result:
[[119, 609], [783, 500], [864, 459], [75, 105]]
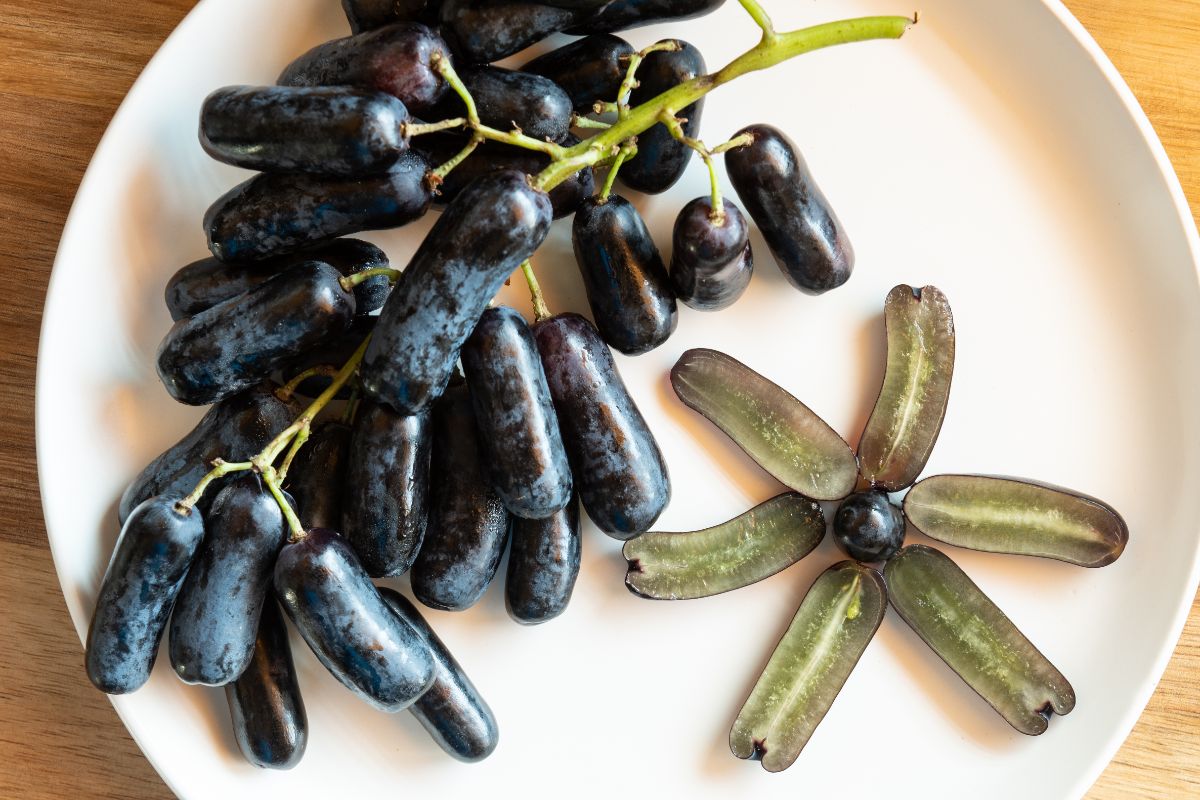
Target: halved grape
[[916, 386], [775, 429], [811, 663], [766, 539], [1010, 515], [958, 621]]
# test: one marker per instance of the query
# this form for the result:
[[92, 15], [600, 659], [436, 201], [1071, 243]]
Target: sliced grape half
[[811, 663], [1008, 515], [774, 428], [766, 539], [958, 621], [908, 414]]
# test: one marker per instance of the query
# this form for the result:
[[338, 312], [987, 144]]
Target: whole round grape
[[869, 527]]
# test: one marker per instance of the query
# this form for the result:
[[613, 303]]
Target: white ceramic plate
[[993, 152]]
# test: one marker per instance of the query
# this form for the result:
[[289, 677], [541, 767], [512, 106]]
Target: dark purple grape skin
[[235, 429], [711, 263], [622, 15], [367, 15], [627, 284], [326, 130], [333, 353], [483, 31], [507, 99], [522, 448], [661, 158], [775, 185], [587, 69], [452, 711], [215, 620], [144, 575], [316, 475], [565, 198], [330, 599], [395, 59], [619, 471], [240, 342], [385, 500], [265, 706], [468, 525], [869, 527], [273, 214], [543, 564], [493, 225], [204, 283]]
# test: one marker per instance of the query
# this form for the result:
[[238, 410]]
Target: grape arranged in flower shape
[[846, 604]]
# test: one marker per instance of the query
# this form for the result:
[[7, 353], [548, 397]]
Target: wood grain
[[64, 67]]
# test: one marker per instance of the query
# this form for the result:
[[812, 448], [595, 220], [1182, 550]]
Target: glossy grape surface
[[661, 158], [543, 564], [507, 98], [711, 262], [869, 527], [487, 31], [621, 15], [588, 69], [317, 474], [627, 284], [496, 223], [619, 470], [240, 342], [148, 565]]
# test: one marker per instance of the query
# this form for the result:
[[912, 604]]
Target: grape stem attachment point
[[540, 310]]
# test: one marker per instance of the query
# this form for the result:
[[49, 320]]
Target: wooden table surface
[[64, 67]]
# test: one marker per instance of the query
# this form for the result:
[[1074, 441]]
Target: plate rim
[[1061, 15]]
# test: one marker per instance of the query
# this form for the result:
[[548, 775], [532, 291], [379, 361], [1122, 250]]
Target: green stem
[[760, 17], [733, 144], [220, 470], [621, 158], [348, 282], [767, 53], [286, 391], [587, 122], [351, 408], [411, 129], [630, 83], [436, 176], [540, 310], [297, 443], [443, 67], [675, 127], [272, 480]]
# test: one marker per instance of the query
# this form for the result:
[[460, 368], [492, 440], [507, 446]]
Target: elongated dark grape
[[204, 283], [273, 213], [1010, 515], [269, 721], [661, 158], [328, 130], [147, 568], [453, 711], [468, 525], [316, 476], [235, 429], [522, 448], [396, 59], [775, 185], [906, 420], [619, 470], [543, 564], [215, 621], [493, 225], [621, 15], [748, 548], [783, 435], [627, 284], [333, 353], [836, 621], [236, 344], [712, 261], [507, 99], [367, 15], [335, 607], [385, 503], [483, 31], [976, 640], [489, 157], [588, 69]]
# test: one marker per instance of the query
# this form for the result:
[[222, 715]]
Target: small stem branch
[[297, 443], [540, 310], [761, 18], [732, 144], [286, 391], [220, 470], [518, 139], [272, 480], [444, 68], [351, 408], [348, 282], [587, 122], [601, 107], [411, 129], [630, 83], [672, 123], [436, 176], [767, 53], [611, 179]]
